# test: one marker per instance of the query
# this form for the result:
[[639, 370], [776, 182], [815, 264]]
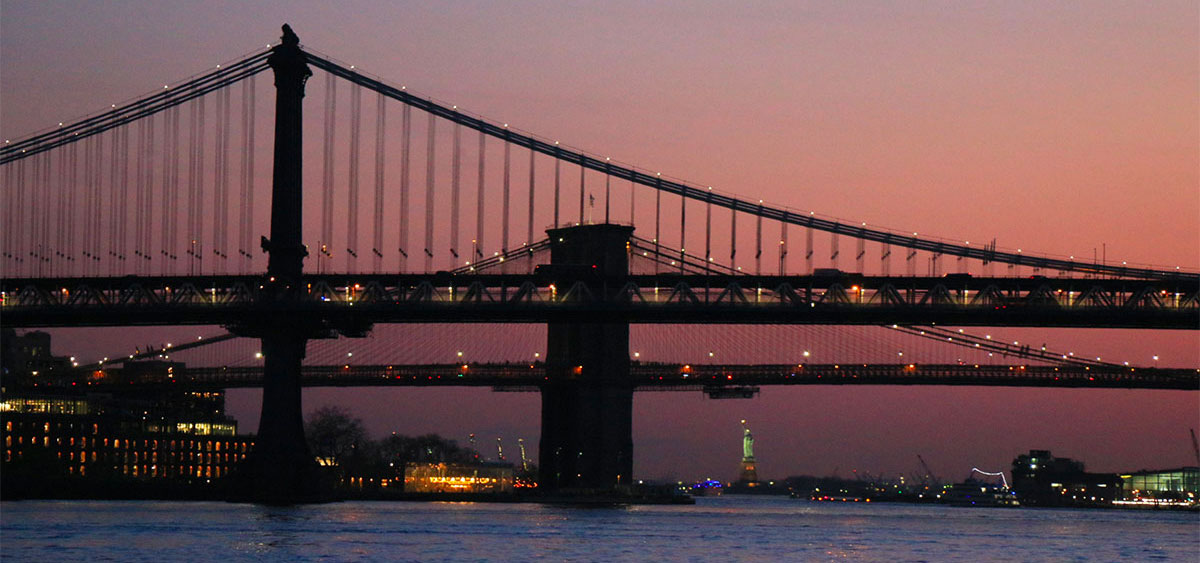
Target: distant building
[[27, 356], [1164, 487], [146, 434], [458, 478], [1040, 479]]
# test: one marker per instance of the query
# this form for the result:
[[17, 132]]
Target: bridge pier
[[281, 469], [587, 401]]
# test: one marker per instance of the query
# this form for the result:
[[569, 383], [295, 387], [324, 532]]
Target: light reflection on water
[[723, 528]]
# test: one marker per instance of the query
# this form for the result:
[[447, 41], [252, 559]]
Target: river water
[[729, 528]]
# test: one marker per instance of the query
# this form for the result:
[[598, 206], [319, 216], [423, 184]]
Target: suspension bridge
[[543, 234]]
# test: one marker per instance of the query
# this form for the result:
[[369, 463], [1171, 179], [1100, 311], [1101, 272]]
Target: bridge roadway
[[665, 377], [352, 302]]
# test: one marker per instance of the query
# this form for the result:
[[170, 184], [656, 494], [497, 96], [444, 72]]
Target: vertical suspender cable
[[327, 187], [220, 178], [885, 256], [26, 173], [477, 245], [862, 251], [732, 239], [81, 213], [140, 193], [783, 250], [251, 150], [657, 220], [246, 220], [582, 190], [708, 232], [10, 218], [607, 190], [97, 211], [380, 136], [60, 208], [114, 183], [835, 243], [532, 156], [148, 209], [506, 193], [429, 184], [352, 199], [73, 187], [808, 253], [557, 170], [193, 183], [221, 252], [455, 190], [41, 210], [165, 207], [198, 239], [682, 231], [405, 166], [758, 241]]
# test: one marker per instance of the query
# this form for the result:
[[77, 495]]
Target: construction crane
[[1195, 445], [929, 476], [524, 461], [499, 449]]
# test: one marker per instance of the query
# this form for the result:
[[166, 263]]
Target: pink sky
[[1056, 129]]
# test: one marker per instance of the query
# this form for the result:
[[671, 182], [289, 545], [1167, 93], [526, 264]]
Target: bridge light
[[807, 353], [637, 354], [258, 355]]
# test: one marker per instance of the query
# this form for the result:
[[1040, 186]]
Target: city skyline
[[862, 127]]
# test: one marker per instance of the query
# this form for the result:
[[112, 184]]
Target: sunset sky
[[1061, 128]]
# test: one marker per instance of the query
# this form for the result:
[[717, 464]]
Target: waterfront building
[[458, 478], [1163, 487], [55, 432], [1040, 479]]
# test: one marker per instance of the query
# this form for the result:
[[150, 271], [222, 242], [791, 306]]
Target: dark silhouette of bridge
[[588, 279]]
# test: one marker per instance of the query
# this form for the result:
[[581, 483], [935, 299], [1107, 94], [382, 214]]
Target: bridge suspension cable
[[150, 105], [561, 154]]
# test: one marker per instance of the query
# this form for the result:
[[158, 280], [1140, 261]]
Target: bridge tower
[[281, 469], [587, 402]]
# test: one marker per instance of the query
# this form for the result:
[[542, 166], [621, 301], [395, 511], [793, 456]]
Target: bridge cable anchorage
[[811, 221]]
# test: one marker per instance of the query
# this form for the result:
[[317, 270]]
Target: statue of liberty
[[747, 443], [749, 473]]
